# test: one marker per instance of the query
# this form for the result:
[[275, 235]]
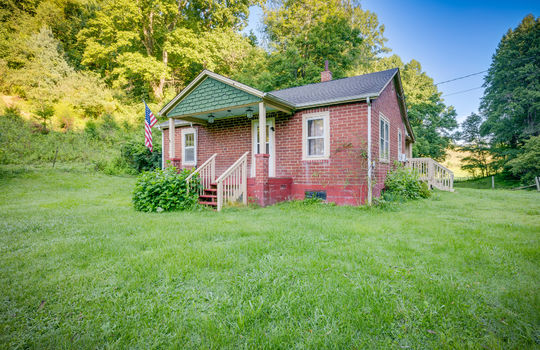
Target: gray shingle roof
[[336, 90]]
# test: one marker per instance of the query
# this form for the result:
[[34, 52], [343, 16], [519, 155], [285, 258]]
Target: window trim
[[383, 118], [186, 131], [325, 116]]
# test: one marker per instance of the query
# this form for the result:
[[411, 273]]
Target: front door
[[270, 146]]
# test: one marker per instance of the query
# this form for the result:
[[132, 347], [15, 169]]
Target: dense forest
[[505, 135], [73, 73]]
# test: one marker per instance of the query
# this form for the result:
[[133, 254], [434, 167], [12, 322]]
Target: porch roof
[[211, 94]]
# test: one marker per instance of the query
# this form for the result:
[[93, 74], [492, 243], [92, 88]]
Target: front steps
[[209, 196]]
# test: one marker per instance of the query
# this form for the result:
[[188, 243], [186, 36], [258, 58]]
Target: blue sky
[[449, 38]]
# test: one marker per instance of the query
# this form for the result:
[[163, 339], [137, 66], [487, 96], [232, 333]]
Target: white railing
[[434, 173], [206, 172], [233, 183]]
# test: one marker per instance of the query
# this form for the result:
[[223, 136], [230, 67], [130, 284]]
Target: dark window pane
[[315, 194]]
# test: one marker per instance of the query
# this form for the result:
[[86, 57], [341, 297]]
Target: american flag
[[149, 122]]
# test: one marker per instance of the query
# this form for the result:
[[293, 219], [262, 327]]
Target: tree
[[303, 34], [22, 18], [141, 46], [511, 100], [432, 121], [527, 164], [46, 78], [478, 160], [43, 70], [44, 114]]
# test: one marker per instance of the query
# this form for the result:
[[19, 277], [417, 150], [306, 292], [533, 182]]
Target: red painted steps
[[209, 196]]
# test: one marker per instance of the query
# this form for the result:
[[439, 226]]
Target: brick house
[[320, 138]]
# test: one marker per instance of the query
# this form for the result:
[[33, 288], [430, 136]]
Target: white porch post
[[262, 128], [171, 138]]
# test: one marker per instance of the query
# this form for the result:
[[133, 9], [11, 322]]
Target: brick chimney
[[326, 75]]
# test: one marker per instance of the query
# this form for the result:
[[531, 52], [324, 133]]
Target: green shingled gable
[[210, 95]]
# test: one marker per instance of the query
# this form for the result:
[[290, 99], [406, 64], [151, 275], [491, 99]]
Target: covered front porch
[[220, 137]]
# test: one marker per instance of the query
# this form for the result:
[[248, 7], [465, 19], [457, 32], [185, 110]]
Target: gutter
[[370, 193], [341, 100]]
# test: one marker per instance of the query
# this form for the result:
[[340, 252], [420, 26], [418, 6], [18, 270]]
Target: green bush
[[527, 164], [404, 184], [139, 158], [165, 190], [424, 190]]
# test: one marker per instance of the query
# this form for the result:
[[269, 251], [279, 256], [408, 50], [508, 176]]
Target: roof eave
[[401, 101], [279, 103]]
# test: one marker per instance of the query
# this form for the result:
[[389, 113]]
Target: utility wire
[[463, 77], [462, 91]]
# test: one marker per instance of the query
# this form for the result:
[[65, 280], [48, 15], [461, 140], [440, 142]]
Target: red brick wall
[[279, 189], [344, 173], [387, 103], [230, 138], [343, 176]]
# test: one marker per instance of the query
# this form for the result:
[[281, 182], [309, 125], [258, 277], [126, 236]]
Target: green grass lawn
[[79, 268], [501, 182]]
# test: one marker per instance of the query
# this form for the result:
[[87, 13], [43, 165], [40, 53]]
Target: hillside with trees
[[79, 69]]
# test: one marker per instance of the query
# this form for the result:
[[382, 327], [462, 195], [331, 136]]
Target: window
[[189, 146], [315, 194], [316, 136], [399, 145], [384, 137]]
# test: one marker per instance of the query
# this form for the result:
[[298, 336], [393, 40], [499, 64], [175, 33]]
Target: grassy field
[[501, 182], [453, 162], [79, 268]]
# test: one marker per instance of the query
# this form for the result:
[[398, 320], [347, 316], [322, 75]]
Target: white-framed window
[[384, 139], [400, 144], [189, 146], [316, 136]]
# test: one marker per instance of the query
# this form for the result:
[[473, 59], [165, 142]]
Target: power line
[[463, 77], [462, 91]]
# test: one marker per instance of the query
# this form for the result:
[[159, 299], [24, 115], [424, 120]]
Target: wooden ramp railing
[[206, 172], [434, 173], [232, 184]]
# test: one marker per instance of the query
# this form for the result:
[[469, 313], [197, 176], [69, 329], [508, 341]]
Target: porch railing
[[232, 184], [433, 172], [206, 172]]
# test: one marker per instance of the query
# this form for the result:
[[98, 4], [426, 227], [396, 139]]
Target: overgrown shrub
[[165, 190], [403, 184], [527, 164], [139, 158]]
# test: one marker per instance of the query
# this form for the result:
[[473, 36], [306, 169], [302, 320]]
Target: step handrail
[[436, 174], [231, 168], [233, 183], [196, 171], [211, 164]]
